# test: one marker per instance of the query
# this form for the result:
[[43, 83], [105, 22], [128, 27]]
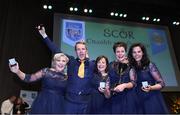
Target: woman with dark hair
[[123, 81], [100, 86], [149, 81]]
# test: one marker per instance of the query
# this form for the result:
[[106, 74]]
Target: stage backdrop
[[101, 34]]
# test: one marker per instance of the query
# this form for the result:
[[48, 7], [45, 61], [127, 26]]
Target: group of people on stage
[[97, 86]]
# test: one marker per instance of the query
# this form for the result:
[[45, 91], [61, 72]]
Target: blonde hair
[[58, 56]]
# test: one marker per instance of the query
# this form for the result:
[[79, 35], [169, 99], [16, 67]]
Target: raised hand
[[15, 68], [41, 30]]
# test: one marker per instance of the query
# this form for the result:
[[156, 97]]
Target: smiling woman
[[149, 81], [59, 60], [50, 99], [100, 87]]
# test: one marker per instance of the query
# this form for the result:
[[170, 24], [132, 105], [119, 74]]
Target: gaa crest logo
[[73, 31]]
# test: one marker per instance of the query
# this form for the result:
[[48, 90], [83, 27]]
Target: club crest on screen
[[73, 31]]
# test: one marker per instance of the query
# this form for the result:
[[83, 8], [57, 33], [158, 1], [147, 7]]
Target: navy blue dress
[[124, 102], [50, 99], [99, 103], [150, 102]]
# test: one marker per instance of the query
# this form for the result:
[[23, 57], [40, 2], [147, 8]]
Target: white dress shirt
[[7, 108]]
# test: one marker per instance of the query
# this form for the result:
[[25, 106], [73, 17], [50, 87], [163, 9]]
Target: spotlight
[[75, 9], [154, 19], [49, 7], [143, 18], [71, 8], [174, 23], [112, 13], [120, 15], [116, 14], [125, 15], [45, 6], [90, 10], [158, 20], [85, 10], [147, 18]]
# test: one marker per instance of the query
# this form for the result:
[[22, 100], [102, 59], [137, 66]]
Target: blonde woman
[[50, 99]]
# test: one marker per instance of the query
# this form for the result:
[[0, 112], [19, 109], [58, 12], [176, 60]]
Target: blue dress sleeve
[[156, 74], [35, 76], [133, 76], [52, 46]]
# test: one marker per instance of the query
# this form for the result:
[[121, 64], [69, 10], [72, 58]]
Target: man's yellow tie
[[81, 70]]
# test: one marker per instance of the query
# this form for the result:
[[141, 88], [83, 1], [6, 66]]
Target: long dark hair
[[97, 60], [145, 59]]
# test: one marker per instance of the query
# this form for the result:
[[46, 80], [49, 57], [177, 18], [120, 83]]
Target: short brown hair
[[119, 44]]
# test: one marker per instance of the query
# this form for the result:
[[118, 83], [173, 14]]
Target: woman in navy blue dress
[[100, 87], [50, 99], [149, 81], [123, 81]]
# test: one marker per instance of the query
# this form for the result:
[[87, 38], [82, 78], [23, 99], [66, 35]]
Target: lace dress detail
[[50, 99], [151, 102]]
